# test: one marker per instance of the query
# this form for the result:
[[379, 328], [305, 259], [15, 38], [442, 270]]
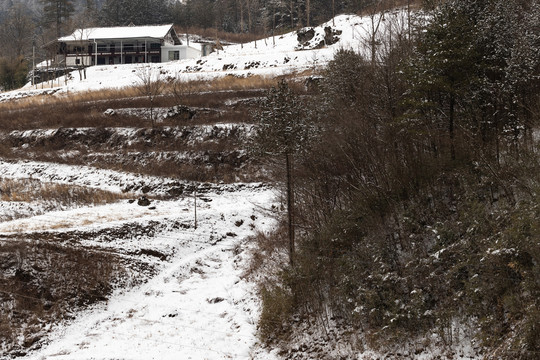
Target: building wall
[[178, 52], [73, 61], [168, 40]]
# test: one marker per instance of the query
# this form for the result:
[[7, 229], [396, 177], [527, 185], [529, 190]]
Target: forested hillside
[[416, 194]]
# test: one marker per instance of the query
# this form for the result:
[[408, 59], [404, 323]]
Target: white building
[[122, 45]]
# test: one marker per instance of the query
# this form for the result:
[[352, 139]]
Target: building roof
[[119, 32]]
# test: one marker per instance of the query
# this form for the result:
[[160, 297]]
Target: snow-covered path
[[198, 307]]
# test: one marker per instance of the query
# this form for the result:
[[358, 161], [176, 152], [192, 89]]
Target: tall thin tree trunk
[[241, 16], [152, 111], [409, 19], [292, 14], [308, 10], [274, 27], [290, 207], [249, 15], [451, 128]]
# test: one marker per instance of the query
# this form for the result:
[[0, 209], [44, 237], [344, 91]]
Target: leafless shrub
[[270, 252], [151, 87]]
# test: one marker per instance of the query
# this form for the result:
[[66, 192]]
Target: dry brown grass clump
[[230, 82], [27, 190]]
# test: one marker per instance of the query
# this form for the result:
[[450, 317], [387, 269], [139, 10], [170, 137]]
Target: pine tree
[[138, 12], [56, 14], [283, 130], [442, 70], [474, 69]]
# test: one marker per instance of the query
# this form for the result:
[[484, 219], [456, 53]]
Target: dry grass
[[229, 82], [225, 100], [271, 251], [77, 97], [87, 109], [27, 190]]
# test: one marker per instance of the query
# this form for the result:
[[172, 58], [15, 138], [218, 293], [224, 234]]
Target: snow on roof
[[119, 32]]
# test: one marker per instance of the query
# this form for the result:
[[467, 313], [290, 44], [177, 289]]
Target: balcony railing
[[125, 51]]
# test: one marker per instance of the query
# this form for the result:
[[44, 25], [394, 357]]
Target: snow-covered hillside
[[199, 306], [270, 57]]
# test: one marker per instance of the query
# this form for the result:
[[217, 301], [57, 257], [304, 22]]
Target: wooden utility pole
[[33, 62], [195, 201], [333, 13]]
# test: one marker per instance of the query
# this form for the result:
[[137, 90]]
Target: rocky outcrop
[[317, 38]]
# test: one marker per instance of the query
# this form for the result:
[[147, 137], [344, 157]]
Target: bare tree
[[84, 22], [151, 86], [16, 32], [376, 17]]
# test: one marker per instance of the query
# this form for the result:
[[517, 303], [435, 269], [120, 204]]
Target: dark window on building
[[155, 46], [174, 55], [155, 59], [128, 59], [113, 48], [101, 48], [128, 47], [101, 61]]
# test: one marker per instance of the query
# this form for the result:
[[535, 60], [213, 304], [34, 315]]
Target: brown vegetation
[[417, 207], [87, 109], [28, 190], [159, 151], [42, 283]]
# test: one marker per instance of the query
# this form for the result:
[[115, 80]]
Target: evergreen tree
[[138, 12], [471, 69], [283, 130], [13, 73], [56, 14], [509, 41]]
